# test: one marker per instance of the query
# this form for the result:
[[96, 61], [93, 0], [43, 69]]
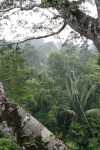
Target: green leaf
[[93, 112], [59, 2], [34, 145], [54, 2], [24, 135], [98, 59]]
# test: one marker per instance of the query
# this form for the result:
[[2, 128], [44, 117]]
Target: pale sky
[[36, 18]]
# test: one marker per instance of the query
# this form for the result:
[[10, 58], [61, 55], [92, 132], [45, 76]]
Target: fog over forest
[[43, 78]]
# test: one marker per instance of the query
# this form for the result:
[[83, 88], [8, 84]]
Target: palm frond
[[68, 111], [88, 95], [78, 85], [69, 87], [68, 91], [85, 89], [92, 112], [71, 112]]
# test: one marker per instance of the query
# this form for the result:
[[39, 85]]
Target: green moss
[[37, 145], [14, 120]]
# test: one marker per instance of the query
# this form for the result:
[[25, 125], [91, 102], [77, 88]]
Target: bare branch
[[57, 16], [27, 7], [5, 10], [30, 7], [11, 78]]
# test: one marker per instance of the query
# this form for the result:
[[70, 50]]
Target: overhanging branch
[[5, 10], [27, 7], [23, 128], [39, 37]]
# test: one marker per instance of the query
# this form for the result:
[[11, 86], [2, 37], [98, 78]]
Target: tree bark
[[69, 11], [82, 23], [24, 129]]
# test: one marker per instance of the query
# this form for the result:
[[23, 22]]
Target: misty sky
[[36, 18]]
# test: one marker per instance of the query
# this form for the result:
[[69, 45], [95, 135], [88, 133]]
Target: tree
[[67, 13], [82, 86], [56, 68], [44, 50], [32, 56], [13, 73], [79, 135], [25, 130]]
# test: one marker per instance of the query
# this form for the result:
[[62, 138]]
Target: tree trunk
[[82, 23], [25, 130]]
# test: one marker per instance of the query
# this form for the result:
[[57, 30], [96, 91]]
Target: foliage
[[98, 59], [72, 145], [56, 68], [49, 95], [13, 73], [55, 105], [6, 143], [32, 56], [80, 134]]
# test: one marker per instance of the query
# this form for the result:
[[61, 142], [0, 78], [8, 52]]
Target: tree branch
[[39, 37], [27, 7], [32, 5], [23, 128], [11, 78], [84, 24], [5, 10]]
